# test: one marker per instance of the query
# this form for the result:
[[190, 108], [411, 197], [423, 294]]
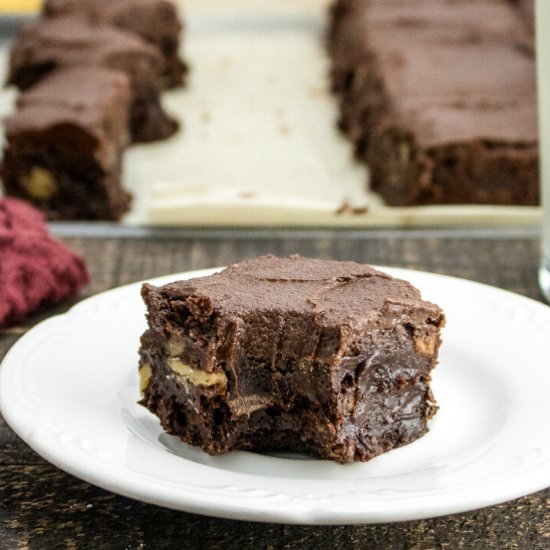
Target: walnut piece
[[39, 183], [145, 373], [425, 345], [197, 377], [175, 345]]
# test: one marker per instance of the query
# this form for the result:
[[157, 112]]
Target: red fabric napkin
[[35, 269]]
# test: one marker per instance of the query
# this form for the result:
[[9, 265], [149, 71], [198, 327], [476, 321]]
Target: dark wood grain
[[42, 507]]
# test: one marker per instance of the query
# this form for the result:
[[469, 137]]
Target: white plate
[[69, 388]]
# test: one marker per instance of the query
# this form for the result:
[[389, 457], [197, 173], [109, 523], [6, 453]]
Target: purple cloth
[[35, 269]]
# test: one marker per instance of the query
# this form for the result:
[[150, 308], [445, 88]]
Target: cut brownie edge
[[472, 172], [64, 193]]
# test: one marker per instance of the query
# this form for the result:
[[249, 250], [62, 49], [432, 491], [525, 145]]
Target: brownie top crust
[[78, 88], [87, 96], [488, 94], [156, 21], [332, 292], [149, 18], [71, 40]]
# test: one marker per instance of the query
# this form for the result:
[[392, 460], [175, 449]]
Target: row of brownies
[[91, 73], [438, 98]]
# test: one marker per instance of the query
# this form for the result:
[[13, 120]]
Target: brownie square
[[64, 144], [73, 41], [438, 99], [156, 21], [317, 356]]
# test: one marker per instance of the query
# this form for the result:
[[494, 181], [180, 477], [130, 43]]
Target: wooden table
[[42, 507]]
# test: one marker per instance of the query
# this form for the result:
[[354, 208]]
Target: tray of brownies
[[274, 113]]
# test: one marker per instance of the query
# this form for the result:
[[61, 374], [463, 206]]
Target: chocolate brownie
[[65, 142], [156, 21], [317, 356], [438, 98], [72, 41]]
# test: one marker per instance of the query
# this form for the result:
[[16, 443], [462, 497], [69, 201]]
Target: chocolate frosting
[[334, 291], [92, 98], [150, 19], [454, 70], [155, 21], [72, 40]]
